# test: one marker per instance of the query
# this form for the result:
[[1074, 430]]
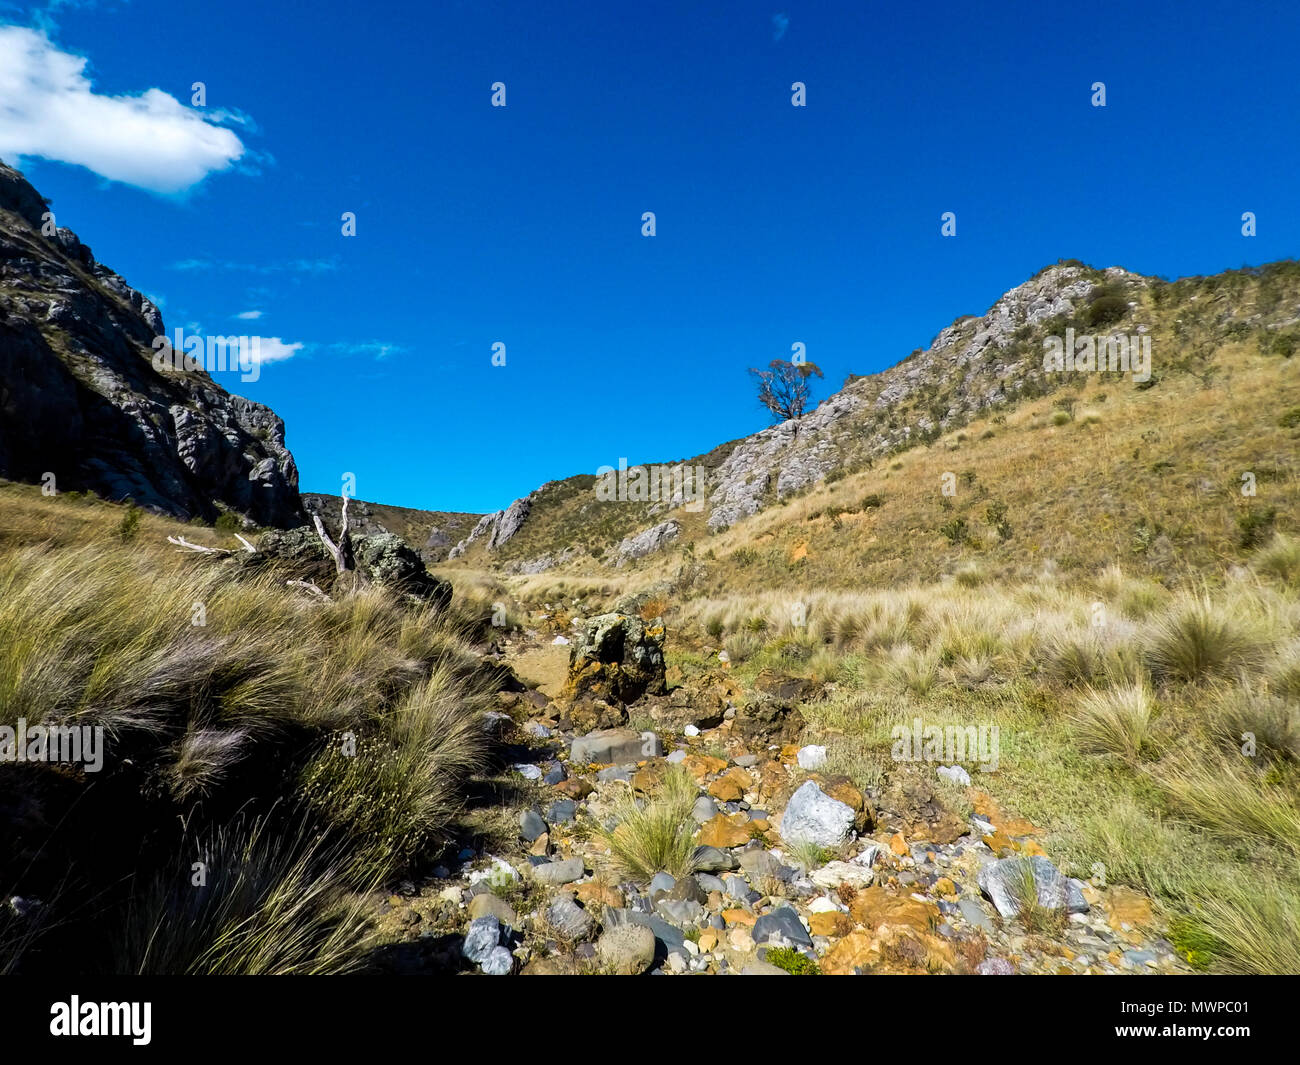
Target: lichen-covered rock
[[390, 562], [617, 657]]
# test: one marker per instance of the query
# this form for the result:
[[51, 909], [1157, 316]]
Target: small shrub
[[1254, 526], [129, 527], [792, 961], [228, 522], [955, 530]]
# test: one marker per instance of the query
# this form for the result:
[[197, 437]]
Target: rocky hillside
[[81, 400], [1204, 330]]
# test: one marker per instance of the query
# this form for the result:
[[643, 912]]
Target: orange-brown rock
[[702, 766], [721, 831], [852, 952], [874, 906], [830, 923], [731, 786], [739, 917], [574, 788], [597, 892], [898, 844]]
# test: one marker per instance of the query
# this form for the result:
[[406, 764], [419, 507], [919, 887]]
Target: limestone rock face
[[645, 543], [617, 657], [80, 397], [496, 528]]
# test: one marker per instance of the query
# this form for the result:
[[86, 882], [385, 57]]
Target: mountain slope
[[1214, 341], [80, 398]]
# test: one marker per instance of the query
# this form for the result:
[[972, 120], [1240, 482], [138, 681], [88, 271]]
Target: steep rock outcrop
[[81, 400]]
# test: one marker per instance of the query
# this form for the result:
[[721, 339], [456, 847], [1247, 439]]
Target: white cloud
[[273, 349], [249, 316], [49, 109]]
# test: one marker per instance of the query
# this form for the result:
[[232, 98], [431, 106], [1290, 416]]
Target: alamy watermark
[[680, 484], [72, 744], [1093, 354], [213, 353], [949, 744]]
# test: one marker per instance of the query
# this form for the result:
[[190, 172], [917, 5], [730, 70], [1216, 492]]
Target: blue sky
[[522, 225]]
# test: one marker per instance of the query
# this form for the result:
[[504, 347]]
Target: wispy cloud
[[780, 23], [376, 349], [249, 316], [51, 110], [292, 266]]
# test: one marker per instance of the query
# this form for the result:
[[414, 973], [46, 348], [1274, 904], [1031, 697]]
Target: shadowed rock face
[[80, 398]]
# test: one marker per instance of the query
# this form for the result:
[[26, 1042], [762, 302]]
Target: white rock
[[812, 816], [812, 757], [528, 772], [499, 872], [834, 874], [954, 774], [822, 904], [691, 730], [559, 640]]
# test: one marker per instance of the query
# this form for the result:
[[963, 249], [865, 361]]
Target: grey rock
[[1003, 882], [483, 934], [661, 884], [762, 968], [499, 962], [681, 912], [561, 811], [812, 816], [759, 863], [614, 772], [781, 926], [644, 543], [554, 774], [713, 860], [974, 914], [569, 919], [995, 967], [531, 824], [704, 809], [557, 874], [708, 882], [626, 949]]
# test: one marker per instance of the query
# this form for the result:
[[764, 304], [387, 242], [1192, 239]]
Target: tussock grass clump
[[1246, 716], [267, 903], [1115, 721], [1251, 925], [1230, 798], [654, 835], [1280, 560], [224, 696], [1199, 640]]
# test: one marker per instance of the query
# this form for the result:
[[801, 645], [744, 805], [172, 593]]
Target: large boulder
[[391, 562], [1009, 883], [617, 657], [812, 816]]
